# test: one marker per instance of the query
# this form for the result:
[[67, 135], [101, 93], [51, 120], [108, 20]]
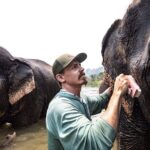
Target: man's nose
[[81, 68]]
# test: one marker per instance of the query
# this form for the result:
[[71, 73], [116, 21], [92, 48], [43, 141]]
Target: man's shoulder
[[59, 104], [57, 101]]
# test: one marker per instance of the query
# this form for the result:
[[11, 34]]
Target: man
[[69, 116]]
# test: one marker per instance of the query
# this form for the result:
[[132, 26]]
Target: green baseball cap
[[64, 60]]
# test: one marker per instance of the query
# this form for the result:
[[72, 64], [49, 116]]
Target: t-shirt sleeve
[[97, 103], [77, 132]]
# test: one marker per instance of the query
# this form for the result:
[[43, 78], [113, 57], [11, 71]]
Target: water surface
[[30, 138]]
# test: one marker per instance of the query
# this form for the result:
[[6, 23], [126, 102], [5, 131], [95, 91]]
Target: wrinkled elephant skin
[[26, 88], [126, 49]]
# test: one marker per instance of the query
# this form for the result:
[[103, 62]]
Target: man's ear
[[60, 78]]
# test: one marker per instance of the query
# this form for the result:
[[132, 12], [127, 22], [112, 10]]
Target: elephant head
[[16, 79], [26, 88], [126, 49], [21, 80]]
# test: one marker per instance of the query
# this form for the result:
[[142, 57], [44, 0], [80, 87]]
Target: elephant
[[26, 88], [126, 49]]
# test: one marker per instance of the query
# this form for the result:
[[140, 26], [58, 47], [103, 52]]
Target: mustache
[[82, 74]]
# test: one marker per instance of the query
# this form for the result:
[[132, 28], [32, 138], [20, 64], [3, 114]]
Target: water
[[30, 138], [91, 91], [35, 136]]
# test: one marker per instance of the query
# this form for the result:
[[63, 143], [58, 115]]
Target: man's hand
[[133, 88], [121, 85]]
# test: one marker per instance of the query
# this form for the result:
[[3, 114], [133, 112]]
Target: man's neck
[[72, 89]]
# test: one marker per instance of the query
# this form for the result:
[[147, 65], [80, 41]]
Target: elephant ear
[[108, 34], [21, 80]]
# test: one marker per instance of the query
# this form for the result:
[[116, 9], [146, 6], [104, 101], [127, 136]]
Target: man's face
[[74, 74]]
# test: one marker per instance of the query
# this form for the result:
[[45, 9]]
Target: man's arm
[[99, 102], [111, 115], [75, 131]]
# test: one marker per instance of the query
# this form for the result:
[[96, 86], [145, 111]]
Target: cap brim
[[80, 57]]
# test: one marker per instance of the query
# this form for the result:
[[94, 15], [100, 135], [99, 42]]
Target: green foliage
[[95, 79]]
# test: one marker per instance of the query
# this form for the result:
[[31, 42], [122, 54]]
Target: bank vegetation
[[94, 80]]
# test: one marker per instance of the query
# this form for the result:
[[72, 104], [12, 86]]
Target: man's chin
[[84, 82], [84, 79]]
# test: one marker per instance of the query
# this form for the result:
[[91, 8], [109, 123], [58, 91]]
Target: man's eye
[[75, 66]]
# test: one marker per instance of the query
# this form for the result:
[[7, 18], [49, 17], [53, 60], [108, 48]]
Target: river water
[[33, 137], [30, 138]]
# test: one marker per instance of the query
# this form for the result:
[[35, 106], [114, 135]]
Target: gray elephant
[[126, 49], [26, 88]]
